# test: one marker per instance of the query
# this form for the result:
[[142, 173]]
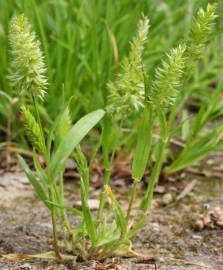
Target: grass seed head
[[126, 93], [199, 33], [168, 79], [33, 130], [27, 73]]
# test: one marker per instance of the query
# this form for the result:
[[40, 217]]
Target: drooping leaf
[[73, 210], [50, 255], [33, 181]]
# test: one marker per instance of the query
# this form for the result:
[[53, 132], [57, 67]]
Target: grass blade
[[87, 215], [72, 139], [141, 155], [33, 181]]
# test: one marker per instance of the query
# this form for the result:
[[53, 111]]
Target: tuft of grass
[[153, 98]]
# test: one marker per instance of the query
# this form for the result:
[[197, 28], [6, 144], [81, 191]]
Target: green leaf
[[33, 181], [51, 255], [40, 171], [72, 139], [118, 212], [88, 220], [82, 167], [185, 125], [64, 124], [195, 150], [108, 136], [73, 210], [108, 236], [3, 144], [143, 146], [136, 227]]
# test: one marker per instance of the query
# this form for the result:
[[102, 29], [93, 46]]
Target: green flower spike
[[28, 69]]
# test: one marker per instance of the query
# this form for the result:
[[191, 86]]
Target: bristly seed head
[[168, 77], [33, 130], [126, 93], [198, 36], [28, 69]]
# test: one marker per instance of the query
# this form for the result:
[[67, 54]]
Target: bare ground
[[169, 236]]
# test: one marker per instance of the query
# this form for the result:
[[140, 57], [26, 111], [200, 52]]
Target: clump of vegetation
[[152, 98]]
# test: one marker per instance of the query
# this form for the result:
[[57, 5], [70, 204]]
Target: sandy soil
[[169, 236]]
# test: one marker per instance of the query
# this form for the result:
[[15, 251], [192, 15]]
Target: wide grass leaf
[[72, 139], [141, 155]]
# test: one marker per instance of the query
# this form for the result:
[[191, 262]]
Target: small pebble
[[167, 198]]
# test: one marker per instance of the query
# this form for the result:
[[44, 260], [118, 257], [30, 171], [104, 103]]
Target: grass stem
[[132, 198], [55, 233]]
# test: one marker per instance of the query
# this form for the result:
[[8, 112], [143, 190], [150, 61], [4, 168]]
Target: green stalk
[[141, 154], [132, 198], [105, 182], [147, 200], [54, 223], [64, 220], [106, 147], [50, 187]]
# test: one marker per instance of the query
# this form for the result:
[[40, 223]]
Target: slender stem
[[132, 198], [154, 177], [64, 219], [50, 189], [102, 194], [61, 189], [8, 134], [54, 223], [147, 200], [106, 150]]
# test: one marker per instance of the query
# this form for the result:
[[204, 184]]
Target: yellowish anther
[[109, 191]]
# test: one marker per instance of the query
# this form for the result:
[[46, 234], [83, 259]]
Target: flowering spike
[[126, 93], [33, 130], [168, 79], [27, 66], [199, 34]]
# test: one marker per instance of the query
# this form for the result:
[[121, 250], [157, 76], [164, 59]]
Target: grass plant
[[153, 98]]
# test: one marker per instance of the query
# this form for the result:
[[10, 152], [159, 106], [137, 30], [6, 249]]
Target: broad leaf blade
[[72, 139], [143, 146]]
